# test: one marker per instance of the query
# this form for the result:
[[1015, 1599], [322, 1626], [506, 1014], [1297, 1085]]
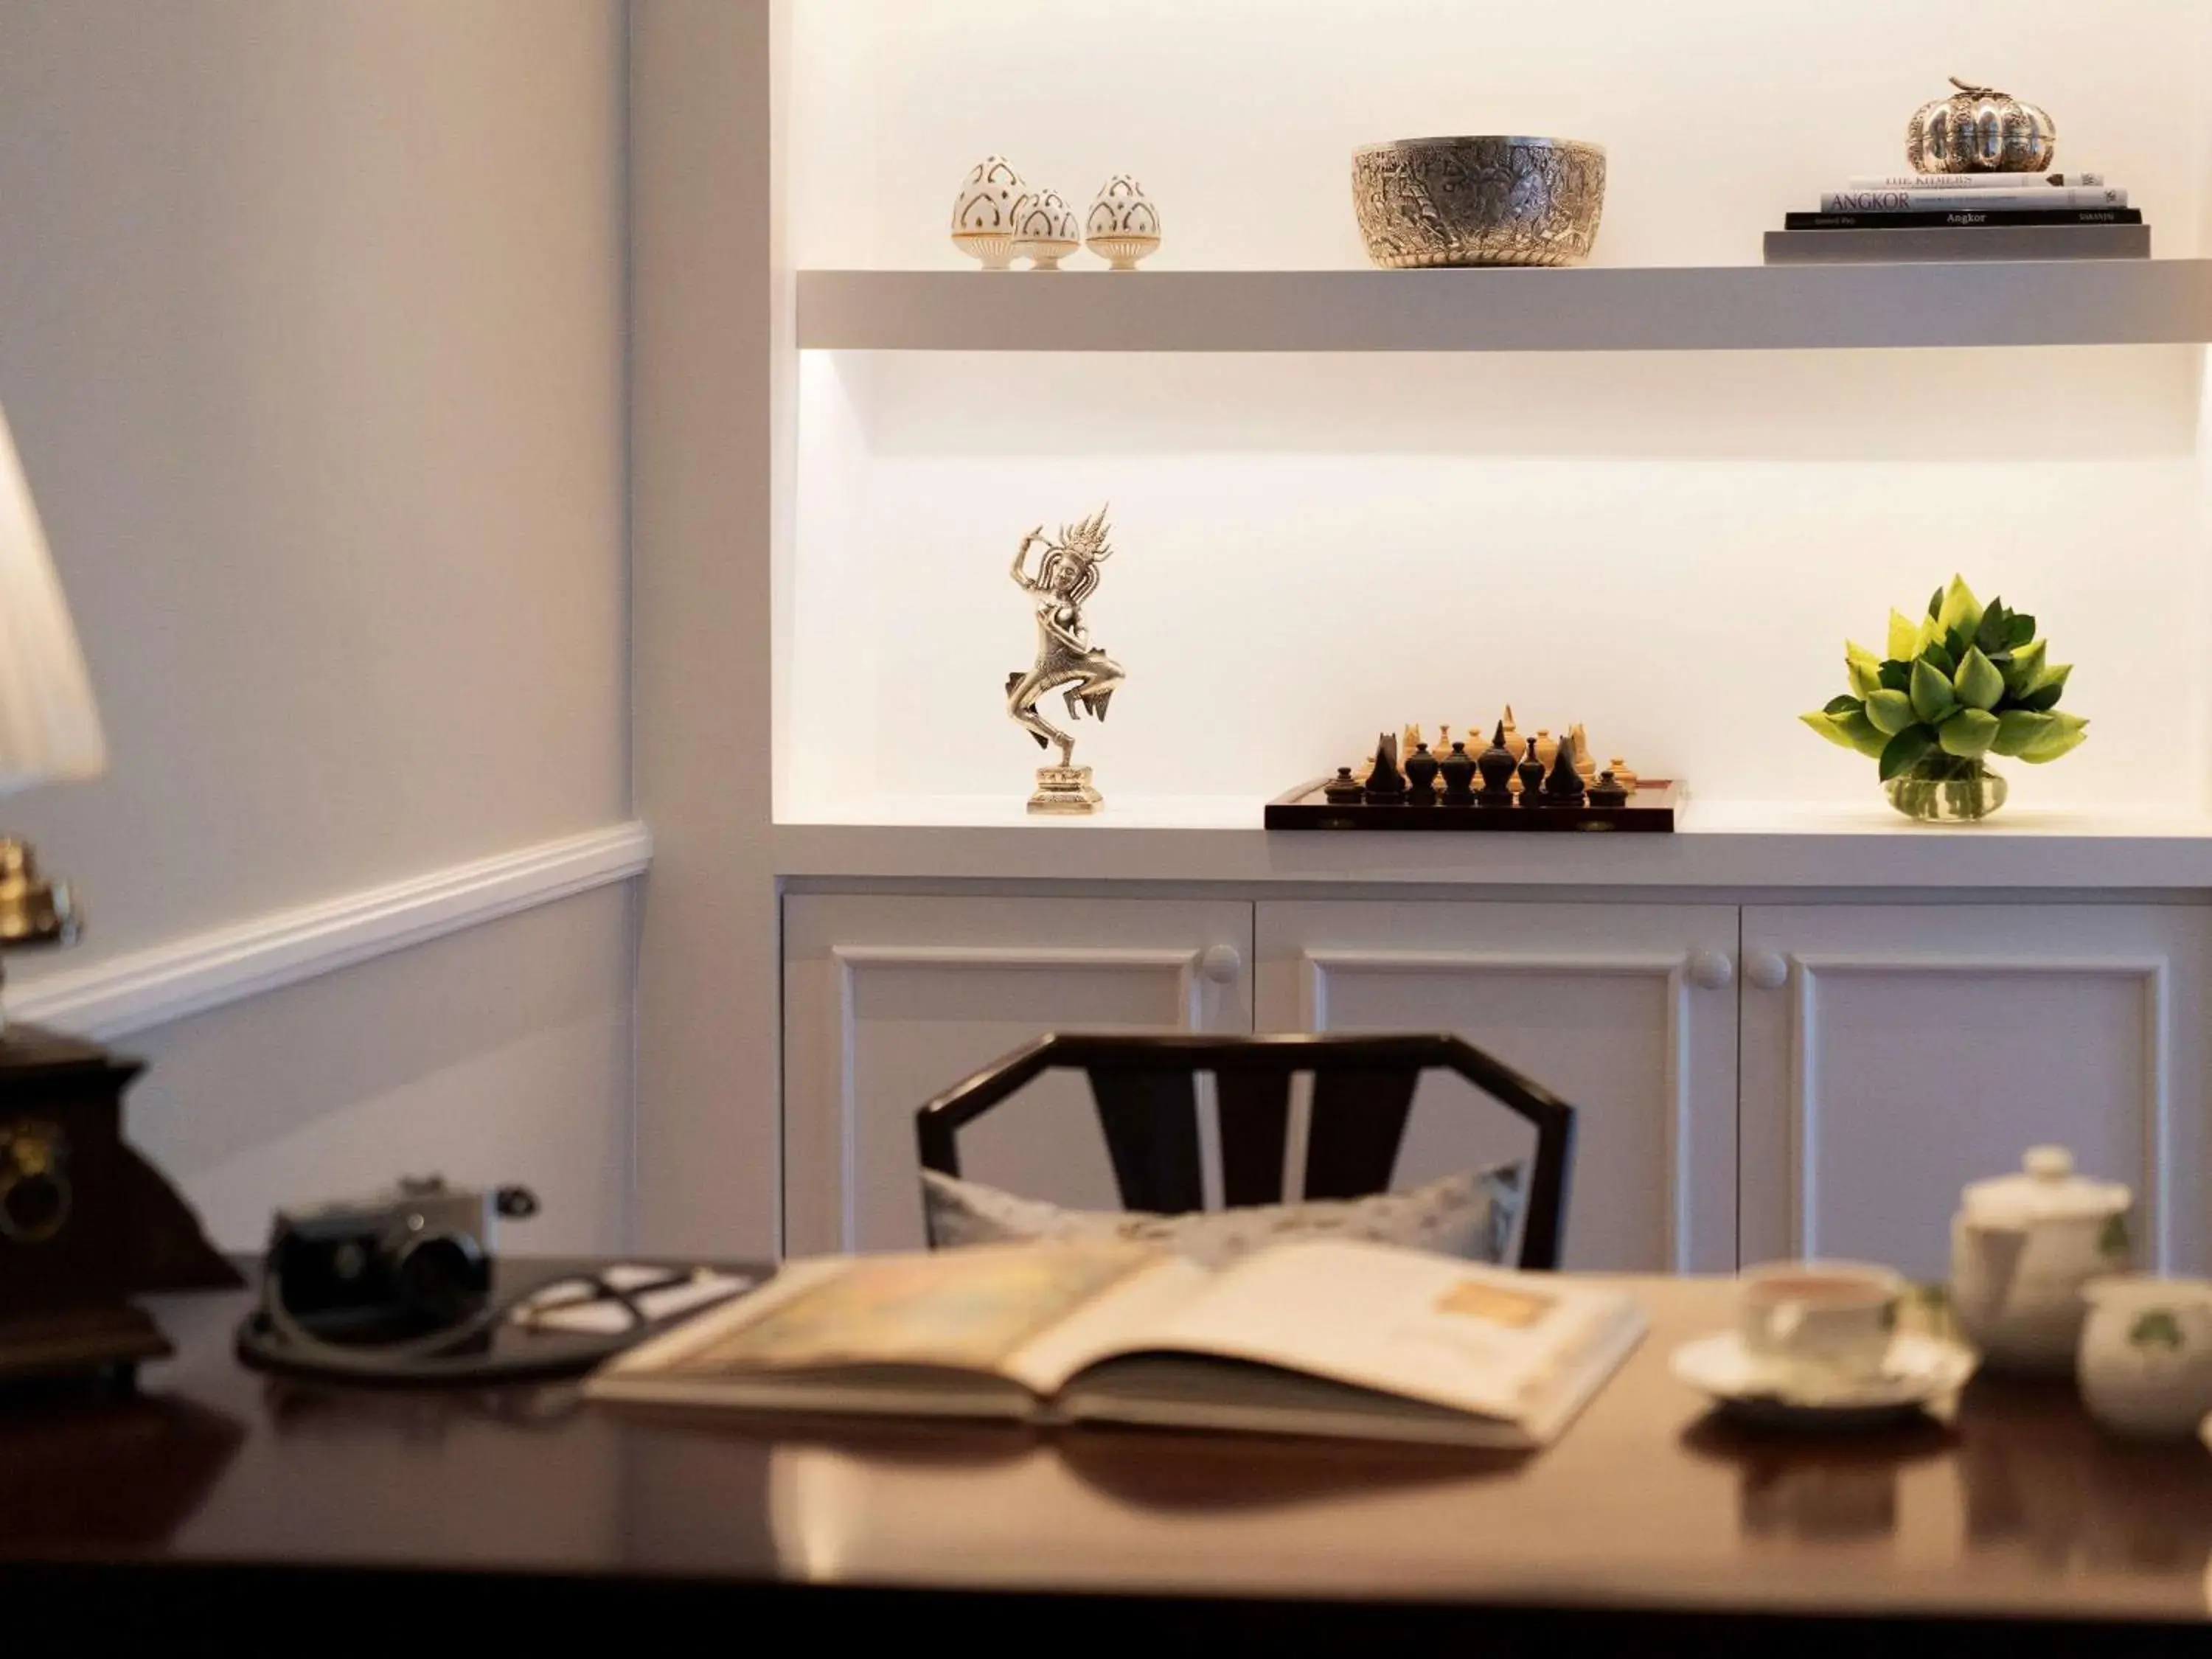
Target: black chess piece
[[1384, 784], [1531, 774], [1608, 791], [1421, 769], [1343, 789], [1496, 765], [1458, 769], [1565, 786]]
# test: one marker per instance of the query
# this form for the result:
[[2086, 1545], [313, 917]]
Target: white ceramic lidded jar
[[1045, 229], [1122, 226], [2146, 1355], [2023, 1247], [983, 212]]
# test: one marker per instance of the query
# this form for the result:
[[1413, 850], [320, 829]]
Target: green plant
[[1963, 682]]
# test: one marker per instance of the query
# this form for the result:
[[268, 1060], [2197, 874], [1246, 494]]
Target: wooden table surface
[[1646, 1507]]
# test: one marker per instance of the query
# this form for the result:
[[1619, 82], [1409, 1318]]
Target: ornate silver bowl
[[1489, 201]]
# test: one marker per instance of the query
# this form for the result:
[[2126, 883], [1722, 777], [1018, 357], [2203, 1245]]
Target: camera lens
[[440, 1275]]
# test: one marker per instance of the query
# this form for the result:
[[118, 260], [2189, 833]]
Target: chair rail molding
[[213, 969]]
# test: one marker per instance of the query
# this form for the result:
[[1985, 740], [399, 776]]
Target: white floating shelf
[[1719, 845], [1661, 308]]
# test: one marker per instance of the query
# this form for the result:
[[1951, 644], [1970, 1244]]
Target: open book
[[1360, 1340]]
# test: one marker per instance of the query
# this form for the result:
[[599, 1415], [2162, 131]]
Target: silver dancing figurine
[[1067, 575]]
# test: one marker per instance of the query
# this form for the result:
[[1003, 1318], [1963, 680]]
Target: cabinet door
[[887, 1001], [1626, 1010], [1892, 1053]]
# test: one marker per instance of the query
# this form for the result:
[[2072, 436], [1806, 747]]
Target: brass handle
[[35, 1196]]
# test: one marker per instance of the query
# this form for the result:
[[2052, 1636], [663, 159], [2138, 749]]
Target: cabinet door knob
[[1711, 970], [1768, 970], [1221, 963]]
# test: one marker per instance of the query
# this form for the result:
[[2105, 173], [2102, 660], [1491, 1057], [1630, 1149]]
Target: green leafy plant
[[1964, 682]]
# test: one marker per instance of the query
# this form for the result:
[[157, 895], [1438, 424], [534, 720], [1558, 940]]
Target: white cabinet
[[888, 1000], [1889, 1052], [1626, 1011], [1893, 1052]]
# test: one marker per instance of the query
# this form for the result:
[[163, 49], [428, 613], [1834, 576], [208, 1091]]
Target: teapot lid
[[2046, 1189]]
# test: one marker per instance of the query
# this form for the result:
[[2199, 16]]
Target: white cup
[[1829, 1321]]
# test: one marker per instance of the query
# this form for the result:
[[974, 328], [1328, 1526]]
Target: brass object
[[35, 1196], [1066, 577], [1980, 129], [1477, 201], [1065, 790], [32, 910]]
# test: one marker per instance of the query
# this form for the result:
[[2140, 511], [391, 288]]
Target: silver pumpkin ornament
[[1980, 129]]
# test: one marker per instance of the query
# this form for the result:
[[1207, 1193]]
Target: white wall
[[711, 349], [1241, 116], [1671, 548], [312, 335]]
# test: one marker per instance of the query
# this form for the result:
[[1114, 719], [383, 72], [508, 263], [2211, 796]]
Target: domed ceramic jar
[[2023, 1247], [983, 212], [1045, 230], [1122, 226], [2146, 1355]]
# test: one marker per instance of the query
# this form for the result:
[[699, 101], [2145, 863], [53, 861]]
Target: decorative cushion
[[1469, 1215]]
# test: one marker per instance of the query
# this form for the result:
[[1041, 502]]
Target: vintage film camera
[[413, 1261]]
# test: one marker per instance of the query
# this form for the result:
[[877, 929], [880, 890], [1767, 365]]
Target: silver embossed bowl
[[1489, 201]]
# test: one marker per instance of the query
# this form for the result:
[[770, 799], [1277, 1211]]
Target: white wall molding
[[200, 971]]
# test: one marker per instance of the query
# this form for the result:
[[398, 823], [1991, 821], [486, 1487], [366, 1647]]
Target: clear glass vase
[[1944, 789]]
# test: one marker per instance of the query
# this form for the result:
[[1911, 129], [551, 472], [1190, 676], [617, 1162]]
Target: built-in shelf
[[1664, 308], [1735, 845]]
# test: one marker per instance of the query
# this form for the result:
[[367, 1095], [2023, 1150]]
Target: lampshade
[[48, 725]]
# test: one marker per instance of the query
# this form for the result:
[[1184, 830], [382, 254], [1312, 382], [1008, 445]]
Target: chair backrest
[[1144, 1088]]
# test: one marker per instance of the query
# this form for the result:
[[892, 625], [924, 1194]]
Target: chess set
[[1515, 784]]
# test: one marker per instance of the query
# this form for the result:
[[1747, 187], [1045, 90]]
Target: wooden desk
[[225, 1497]]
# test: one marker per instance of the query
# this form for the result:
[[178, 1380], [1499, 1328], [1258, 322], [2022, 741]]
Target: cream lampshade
[[48, 725]]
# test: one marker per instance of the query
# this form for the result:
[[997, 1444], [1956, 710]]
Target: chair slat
[[1358, 1120], [1149, 1118], [1254, 1106]]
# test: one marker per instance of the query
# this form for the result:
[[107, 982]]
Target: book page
[[1126, 1316], [1428, 1327], [968, 1309]]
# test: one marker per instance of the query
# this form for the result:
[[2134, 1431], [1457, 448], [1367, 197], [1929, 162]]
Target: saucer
[[1918, 1371]]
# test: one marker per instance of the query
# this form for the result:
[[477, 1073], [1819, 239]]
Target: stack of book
[[1965, 215]]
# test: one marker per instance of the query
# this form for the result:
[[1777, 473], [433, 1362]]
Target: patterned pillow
[[1469, 1215]]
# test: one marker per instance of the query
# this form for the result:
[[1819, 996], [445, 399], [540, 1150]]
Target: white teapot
[[2146, 1359], [2022, 1248]]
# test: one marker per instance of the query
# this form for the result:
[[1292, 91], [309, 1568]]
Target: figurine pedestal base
[[1065, 791]]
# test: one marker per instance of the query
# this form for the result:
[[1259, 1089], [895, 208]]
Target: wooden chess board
[[1650, 811]]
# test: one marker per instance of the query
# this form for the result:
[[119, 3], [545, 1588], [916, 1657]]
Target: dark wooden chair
[[1145, 1091]]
